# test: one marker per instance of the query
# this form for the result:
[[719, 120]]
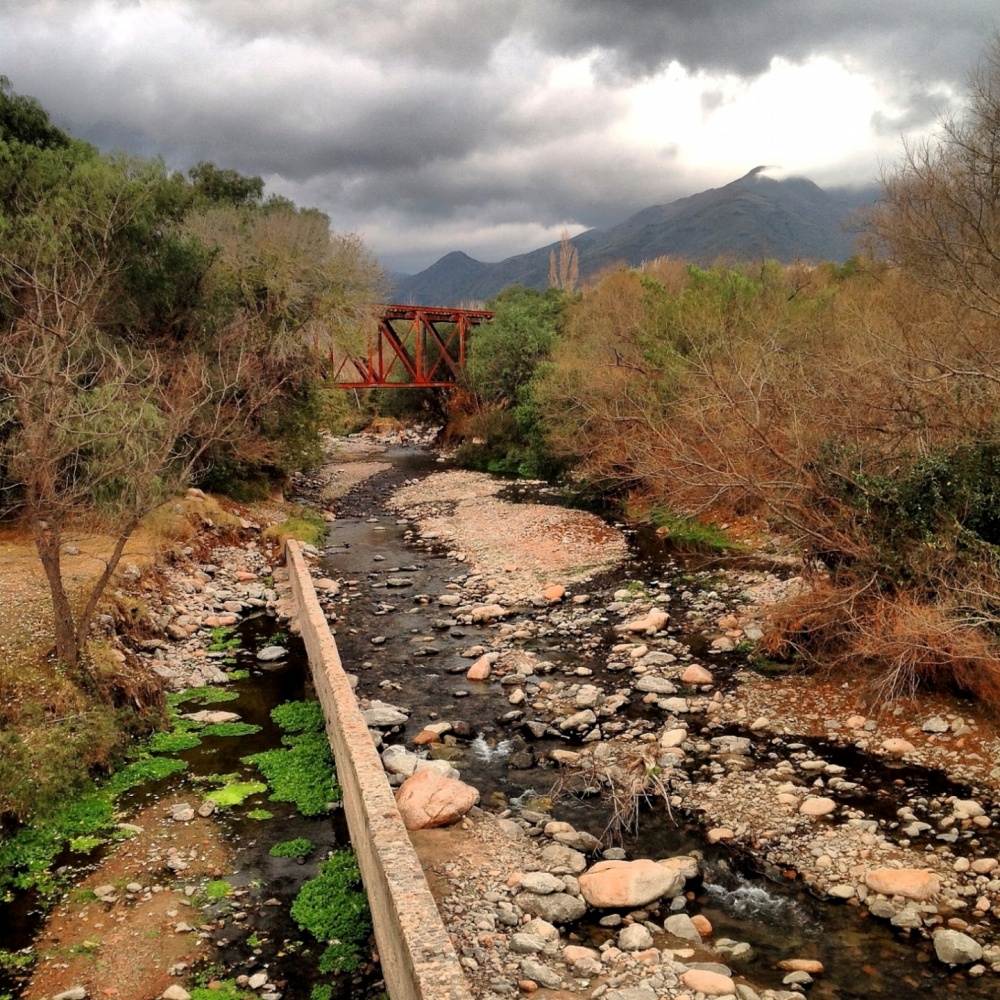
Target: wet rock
[[383, 717], [732, 744], [650, 624], [967, 809], [270, 654], [620, 884], [911, 883], [527, 944], [398, 760], [579, 720], [686, 867], [488, 612], [810, 965], [541, 974], [697, 675], [655, 685], [181, 812], [427, 799], [562, 860], [210, 718], [935, 724], [635, 937], [542, 883], [555, 907], [817, 805], [956, 948], [482, 668], [680, 926]]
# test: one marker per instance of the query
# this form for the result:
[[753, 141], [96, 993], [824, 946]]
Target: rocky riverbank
[[644, 692]]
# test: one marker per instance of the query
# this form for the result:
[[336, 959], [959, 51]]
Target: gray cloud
[[419, 121]]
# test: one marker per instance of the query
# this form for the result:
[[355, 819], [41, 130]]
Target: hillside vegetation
[[852, 407]]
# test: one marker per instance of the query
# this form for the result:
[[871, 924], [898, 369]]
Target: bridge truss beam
[[414, 347]]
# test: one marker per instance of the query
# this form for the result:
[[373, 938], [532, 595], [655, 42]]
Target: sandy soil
[[523, 547], [125, 948]]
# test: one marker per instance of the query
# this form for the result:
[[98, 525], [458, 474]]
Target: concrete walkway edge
[[418, 959]]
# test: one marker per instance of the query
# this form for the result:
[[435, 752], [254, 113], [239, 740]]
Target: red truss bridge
[[414, 347]]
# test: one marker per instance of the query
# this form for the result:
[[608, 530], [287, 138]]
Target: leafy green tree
[[143, 330], [23, 119]]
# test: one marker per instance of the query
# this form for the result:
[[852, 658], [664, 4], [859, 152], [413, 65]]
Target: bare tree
[[940, 209], [564, 271]]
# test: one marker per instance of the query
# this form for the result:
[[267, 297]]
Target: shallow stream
[[416, 664]]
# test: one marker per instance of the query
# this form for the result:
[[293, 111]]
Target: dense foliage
[[154, 329]]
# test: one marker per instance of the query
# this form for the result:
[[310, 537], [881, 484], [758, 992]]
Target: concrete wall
[[418, 960]]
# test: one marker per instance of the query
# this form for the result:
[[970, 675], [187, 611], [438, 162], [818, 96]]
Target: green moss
[[230, 729], [236, 793], [173, 742], [238, 675], [13, 961], [322, 992], [300, 847], [333, 908], [219, 889], [260, 814]]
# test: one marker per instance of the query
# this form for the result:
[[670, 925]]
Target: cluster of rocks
[[541, 913], [201, 596], [697, 721]]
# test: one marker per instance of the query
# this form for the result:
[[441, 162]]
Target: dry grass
[[893, 645]]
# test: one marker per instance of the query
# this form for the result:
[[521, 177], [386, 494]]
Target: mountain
[[751, 218]]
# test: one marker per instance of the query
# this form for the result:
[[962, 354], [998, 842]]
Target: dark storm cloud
[[642, 36], [443, 113]]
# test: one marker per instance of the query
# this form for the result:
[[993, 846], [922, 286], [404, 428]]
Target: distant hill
[[751, 218]]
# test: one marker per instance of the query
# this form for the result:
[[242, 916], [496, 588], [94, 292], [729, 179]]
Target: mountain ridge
[[752, 217]]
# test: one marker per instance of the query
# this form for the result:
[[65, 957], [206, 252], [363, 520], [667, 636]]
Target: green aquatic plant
[[205, 695], [260, 814], [299, 716], [300, 847], [230, 729], [302, 770], [334, 909], [236, 793], [172, 742]]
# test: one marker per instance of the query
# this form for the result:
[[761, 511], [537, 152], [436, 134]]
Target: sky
[[489, 126]]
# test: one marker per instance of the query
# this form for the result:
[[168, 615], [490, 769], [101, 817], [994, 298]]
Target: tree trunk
[[48, 540]]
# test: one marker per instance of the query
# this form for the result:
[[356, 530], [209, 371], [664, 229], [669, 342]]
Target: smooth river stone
[[911, 883], [615, 884]]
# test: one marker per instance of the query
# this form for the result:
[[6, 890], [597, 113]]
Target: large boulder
[[554, 907], [911, 883], [619, 884], [956, 948], [427, 799]]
